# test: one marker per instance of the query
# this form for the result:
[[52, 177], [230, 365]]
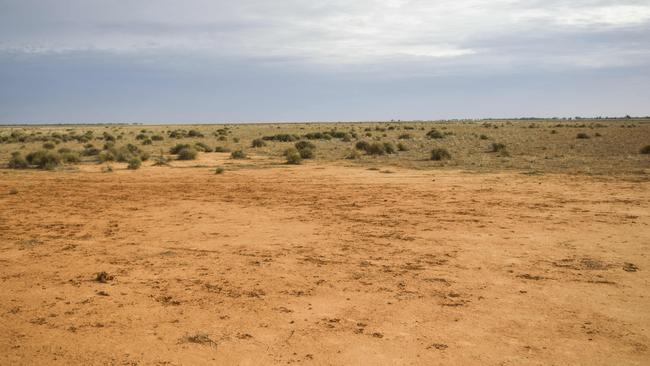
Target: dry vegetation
[[587, 146], [353, 243]]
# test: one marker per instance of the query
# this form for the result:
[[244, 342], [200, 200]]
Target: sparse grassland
[[553, 145]]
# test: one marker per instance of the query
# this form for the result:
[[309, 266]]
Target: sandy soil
[[323, 264]]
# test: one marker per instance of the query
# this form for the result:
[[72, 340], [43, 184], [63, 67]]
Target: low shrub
[[582, 135], [176, 149], [194, 133], [284, 137], [306, 153], [389, 148], [258, 143], [17, 161], [105, 156], [440, 154], [199, 146], [304, 145], [48, 146], [219, 170], [405, 136], [134, 163], [434, 134], [187, 153], [499, 148], [402, 147], [221, 149], [44, 159], [70, 158], [483, 137], [376, 148], [362, 145], [238, 154], [293, 156]]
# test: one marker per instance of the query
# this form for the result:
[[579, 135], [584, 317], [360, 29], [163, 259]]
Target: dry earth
[[323, 264]]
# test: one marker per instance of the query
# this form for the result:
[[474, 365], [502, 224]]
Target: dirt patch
[[322, 264]]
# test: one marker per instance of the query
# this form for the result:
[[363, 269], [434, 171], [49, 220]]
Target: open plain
[[537, 256]]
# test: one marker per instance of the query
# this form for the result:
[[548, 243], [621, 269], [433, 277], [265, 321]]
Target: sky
[[214, 61]]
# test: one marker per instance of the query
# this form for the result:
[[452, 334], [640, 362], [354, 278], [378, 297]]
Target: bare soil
[[322, 264]]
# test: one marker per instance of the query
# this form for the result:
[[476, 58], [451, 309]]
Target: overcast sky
[[308, 60]]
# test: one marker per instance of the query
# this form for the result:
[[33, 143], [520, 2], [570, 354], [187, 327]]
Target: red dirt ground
[[323, 264]]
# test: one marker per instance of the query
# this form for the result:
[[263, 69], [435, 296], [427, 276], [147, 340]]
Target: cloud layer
[[363, 40]]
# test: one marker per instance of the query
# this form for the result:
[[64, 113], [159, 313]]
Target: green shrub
[[402, 147], [202, 147], [258, 143], [221, 149], [108, 137], [147, 142], [304, 145], [434, 134], [134, 163], [187, 153], [126, 153], [176, 149], [362, 145], [238, 154], [17, 161], [44, 159], [440, 154], [281, 137], [105, 156], [404, 136], [293, 156], [219, 170], [306, 153], [645, 149], [70, 158], [157, 138], [64, 150], [194, 133], [483, 137], [389, 148], [376, 148]]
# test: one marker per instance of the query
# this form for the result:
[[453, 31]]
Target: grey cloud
[[298, 59]]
